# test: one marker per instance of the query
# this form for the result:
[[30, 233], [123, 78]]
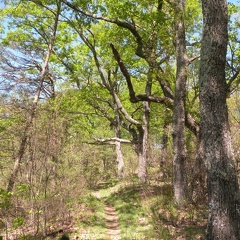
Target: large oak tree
[[223, 188]]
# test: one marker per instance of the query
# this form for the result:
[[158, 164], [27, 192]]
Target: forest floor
[[129, 211]]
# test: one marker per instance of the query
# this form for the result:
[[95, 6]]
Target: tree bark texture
[[120, 161], [144, 132], [163, 156], [223, 188], [119, 154], [179, 142], [143, 144], [198, 184]]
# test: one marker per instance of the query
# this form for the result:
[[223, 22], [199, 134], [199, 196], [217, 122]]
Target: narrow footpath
[[112, 224], [111, 220]]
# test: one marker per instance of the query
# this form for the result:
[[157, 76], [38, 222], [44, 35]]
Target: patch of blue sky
[[236, 2]]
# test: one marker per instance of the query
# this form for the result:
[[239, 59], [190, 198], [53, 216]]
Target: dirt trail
[[111, 220], [112, 224]]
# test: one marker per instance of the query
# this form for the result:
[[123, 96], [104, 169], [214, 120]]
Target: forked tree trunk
[[179, 142], [223, 188]]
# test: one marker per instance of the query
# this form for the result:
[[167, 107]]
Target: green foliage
[[233, 56], [92, 203], [5, 198], [59, 163], [18, 222], [193, 18], [23, 190]]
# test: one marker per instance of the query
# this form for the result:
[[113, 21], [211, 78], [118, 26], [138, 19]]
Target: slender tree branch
[[193, 59], [104, 113], [124, 72], [232, 79], [124, 24]]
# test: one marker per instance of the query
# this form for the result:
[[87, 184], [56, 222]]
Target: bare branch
[[124, 72], [165, 100], [232, 79], [102, 111], [114, 139], [193, 58]]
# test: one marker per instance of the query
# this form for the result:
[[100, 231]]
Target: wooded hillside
[[128, 106]]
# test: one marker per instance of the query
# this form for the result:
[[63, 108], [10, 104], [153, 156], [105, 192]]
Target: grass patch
[[148, 212], [133, 219], [144, 212], [90, 219], [171, 222]]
